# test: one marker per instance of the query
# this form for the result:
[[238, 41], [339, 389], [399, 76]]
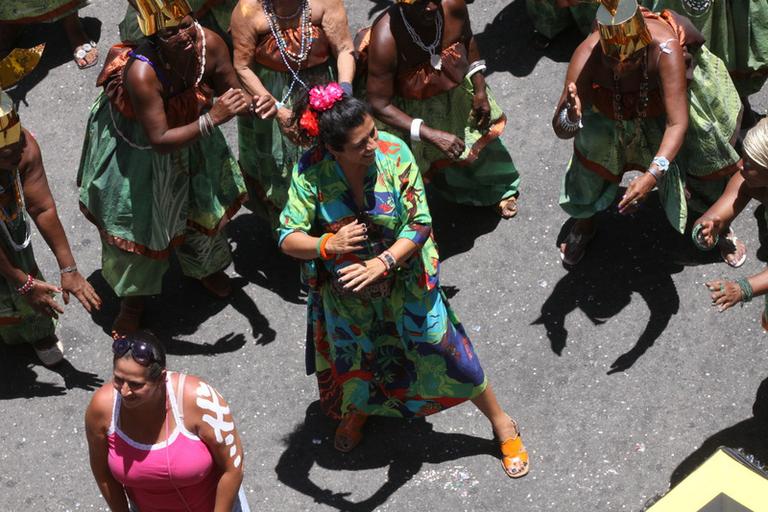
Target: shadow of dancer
[[749, 435], [257, 258], [401, 446], [19, 379], [507, 46], [451, 218], [630, 254], [181, 309]]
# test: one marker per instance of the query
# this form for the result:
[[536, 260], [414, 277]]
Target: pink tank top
[[178, 474]]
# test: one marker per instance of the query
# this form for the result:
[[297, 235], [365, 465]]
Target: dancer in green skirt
[[628, 106], [737, 32], [425, 79], [280, 47], [156, 173]]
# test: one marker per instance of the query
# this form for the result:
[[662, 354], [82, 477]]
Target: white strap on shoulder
[[115, 410]]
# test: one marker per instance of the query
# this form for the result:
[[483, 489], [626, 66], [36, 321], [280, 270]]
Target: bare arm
[[97, 419], [213, 422], [42, 209], [244, 39], [222, 74], [675, 89], [720, 215], [336, 27], [577, 81]]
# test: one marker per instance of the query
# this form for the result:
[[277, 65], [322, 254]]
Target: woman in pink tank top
[[162, 441]]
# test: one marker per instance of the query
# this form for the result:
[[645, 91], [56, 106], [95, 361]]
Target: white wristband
[[415, 127]]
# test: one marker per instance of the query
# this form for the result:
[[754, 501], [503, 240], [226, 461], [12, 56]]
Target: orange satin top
[[180, 109], [267, 53], [424, 81]]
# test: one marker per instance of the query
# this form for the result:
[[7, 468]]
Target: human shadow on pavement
[[749, 435], [20, 380], [457, 226], [507, 47], [57, 52], [402, 446], [181, 309], [257, 258], [630, 254]]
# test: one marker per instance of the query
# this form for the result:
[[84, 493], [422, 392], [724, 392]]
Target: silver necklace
[[434, 56], [22, 212], [697, 7], [305, 27]]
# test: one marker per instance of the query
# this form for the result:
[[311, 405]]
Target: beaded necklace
[[6, 217], [642, 101], [434, 56], [288, 57]]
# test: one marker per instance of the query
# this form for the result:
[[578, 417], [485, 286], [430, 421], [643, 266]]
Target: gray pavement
[[550, 341]]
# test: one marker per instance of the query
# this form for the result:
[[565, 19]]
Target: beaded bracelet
[[746, 289], [27, 286]]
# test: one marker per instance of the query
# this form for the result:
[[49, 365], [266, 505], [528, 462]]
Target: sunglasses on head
[[141, 351]]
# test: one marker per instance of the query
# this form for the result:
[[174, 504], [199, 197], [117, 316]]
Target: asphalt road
[[618, 371]]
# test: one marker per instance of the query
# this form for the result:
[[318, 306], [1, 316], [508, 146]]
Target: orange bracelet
[[323, 242]]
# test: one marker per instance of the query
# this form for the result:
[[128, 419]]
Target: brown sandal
[[507, 208], [514, 454], [349, 433]]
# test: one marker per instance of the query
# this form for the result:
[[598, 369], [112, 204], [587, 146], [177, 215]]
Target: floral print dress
[[403, 353]]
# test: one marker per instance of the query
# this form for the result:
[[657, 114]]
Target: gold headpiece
[[156, 15], [622, 28], [15, 66]]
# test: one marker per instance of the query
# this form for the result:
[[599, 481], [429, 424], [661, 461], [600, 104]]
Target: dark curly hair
[[336, 122]]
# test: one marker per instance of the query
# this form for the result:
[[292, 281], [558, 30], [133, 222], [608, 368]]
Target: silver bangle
[[566, 124], [68, 270], [476, 67], [415, 127]]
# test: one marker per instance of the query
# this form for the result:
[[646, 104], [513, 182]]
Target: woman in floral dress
[[382, 338]]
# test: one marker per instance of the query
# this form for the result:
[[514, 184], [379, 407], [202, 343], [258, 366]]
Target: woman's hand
[[446, 142], [264, 106], [228, 105], [481, 110], [359, 275], [637, 192], [347, 239], [287, 126], [76, 284], [573, 103], [40, 298], [711, 226], [725, 294]]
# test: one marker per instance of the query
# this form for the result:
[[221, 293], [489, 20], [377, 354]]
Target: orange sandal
[[349, 433], [513, 452]]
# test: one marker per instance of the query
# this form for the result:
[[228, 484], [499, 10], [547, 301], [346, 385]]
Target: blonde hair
[[756, 144]]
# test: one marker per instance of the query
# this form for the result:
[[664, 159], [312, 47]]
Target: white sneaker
[[51, 355]]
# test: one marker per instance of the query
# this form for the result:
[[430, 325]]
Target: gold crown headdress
[[15, 66], [156, 15], [622, 28]]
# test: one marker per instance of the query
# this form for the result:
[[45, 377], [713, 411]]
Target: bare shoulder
[[31, 157], [661, 31], [380, 30], [201, 396], [246, 8], [98, 415]]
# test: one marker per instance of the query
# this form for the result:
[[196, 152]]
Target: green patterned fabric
[[404, 355], [143, 202], [549, 20], [266, 156], [36, 11], [216, 19], [713, 111], [486, 181], [736, 31], [19, 323]]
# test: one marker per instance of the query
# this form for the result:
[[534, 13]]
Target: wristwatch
[[662, 166]]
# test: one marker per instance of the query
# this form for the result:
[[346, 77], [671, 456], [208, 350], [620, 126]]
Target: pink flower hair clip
[[322, 98]]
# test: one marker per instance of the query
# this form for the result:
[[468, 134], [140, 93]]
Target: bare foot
[[732, 250]]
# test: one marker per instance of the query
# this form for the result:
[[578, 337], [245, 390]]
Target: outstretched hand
[[348, 239], [77, 285], [724, 294], [40, 298]]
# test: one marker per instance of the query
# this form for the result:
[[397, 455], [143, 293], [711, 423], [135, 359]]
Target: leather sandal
[[513, 453], [349, 433], [574, 246], [730, 246], [507, 208]]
